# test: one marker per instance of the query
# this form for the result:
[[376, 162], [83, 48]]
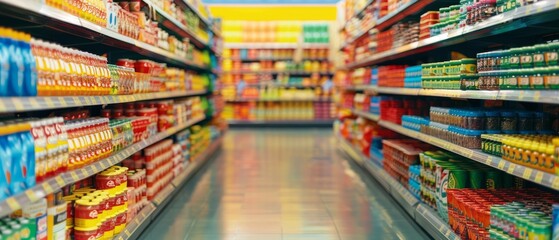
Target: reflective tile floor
[[282, 184]]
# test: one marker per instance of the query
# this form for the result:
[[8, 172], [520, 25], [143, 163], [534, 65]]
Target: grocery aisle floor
[[281, 184]]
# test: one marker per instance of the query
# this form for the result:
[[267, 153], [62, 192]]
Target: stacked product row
[[301, 110], [49, 147], [35, 67]]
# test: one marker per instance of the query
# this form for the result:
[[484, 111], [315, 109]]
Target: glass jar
[[505, 54], [551, 77], [509, 122], [468, 82], [551, 55], [539, 55], [492, 121], [493, 81], [525, 121], [481, 62], [537, 79], [524, 78], [488, 9], [526, 57], [483, 80], [510, 79], [514, 58]]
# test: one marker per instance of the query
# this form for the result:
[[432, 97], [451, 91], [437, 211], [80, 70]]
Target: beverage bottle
[[15, 83], [30, 82], [4, 63], [5, 175]]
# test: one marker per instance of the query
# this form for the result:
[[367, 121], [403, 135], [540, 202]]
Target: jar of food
[[509, 122], [469, 82], [85, 233], [537, 80], [552, 54], [524, 76], [481, 62], [551, 77], [492, 121], [539, 55], [86, 213], [493, 81], [526, 57], [510, 79], [514, 58], [468, 65], [483, 81], [473, 120], [525, 121], [505, 55]]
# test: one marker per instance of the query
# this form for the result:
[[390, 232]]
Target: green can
[[539, 230], [458, 178], [494, 179], [476, 178]]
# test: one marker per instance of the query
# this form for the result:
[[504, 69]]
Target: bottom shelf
[[281, 123], [422, 214], [135, 227]]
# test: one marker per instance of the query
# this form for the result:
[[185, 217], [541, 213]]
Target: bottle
[[30, 82], [17, 68], [4, 63]]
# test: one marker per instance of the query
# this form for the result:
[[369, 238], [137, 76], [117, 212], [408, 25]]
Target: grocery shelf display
[[107, 107], [446, 102], [285, 62]]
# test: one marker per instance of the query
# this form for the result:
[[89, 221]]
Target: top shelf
[[522, 17], [276, 45], [355, 14], [206, 21], [59, 20]]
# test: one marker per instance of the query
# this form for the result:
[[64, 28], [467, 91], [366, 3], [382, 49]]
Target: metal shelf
[[260, 59], [149, 212], [426, 218], [533, 175], [495, 25], [366, 115], [197, 12], [33, 194], [537, 96], [177, 26], [276, 72], [59, 20], [276, 45], [275, 84], [24, 104], [355, 14], [281, 123], [279, 100]]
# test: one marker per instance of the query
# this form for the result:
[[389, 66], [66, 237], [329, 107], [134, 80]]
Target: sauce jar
[[551, 77], [86, 233], [552, 54], [537, 80], [492, 121], [539, 55], [514, 58], [86, 213], [524, 76], [526, 57], [509, 122]]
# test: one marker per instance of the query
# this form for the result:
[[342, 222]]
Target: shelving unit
[[23, 104], [423, 215], [520, 18], [281, 123], [279, 100], [150, 212], [33, 194]]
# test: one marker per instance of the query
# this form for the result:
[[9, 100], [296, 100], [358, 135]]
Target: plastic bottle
[[4, 63], [17, 66], [28, 159], [5, 175], [30, 82]]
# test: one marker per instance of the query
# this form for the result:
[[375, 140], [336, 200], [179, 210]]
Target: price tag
[[31, 195], [510, 170], [18, 104], [127, 232], [2, 105], [488, 160], [47, 187], [62, 101], [49, 102], [441, 228], [537, 95], [74, 176], [538, 178], [501, 165], [103, 165], [84, 172], [95, 169], [60, 181], [137, 221], [555, 183], [14, 205], [88, 101], [34, 103], [527, 173], [77, 101]]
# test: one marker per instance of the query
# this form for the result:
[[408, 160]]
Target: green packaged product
[[552, 54], [476, 178], [493, 179], [458, 178]]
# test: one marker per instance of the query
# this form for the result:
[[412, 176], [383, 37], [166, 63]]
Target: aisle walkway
[[281, 184]]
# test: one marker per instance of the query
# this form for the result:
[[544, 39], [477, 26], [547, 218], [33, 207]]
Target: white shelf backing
[[425, 218]]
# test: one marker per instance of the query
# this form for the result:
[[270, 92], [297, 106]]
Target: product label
[[552, 56], [523, 81], [514, 60], [537, 80], [539, 58], [553, 80]]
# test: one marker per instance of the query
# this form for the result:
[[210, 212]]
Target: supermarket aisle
[[281, 184]]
